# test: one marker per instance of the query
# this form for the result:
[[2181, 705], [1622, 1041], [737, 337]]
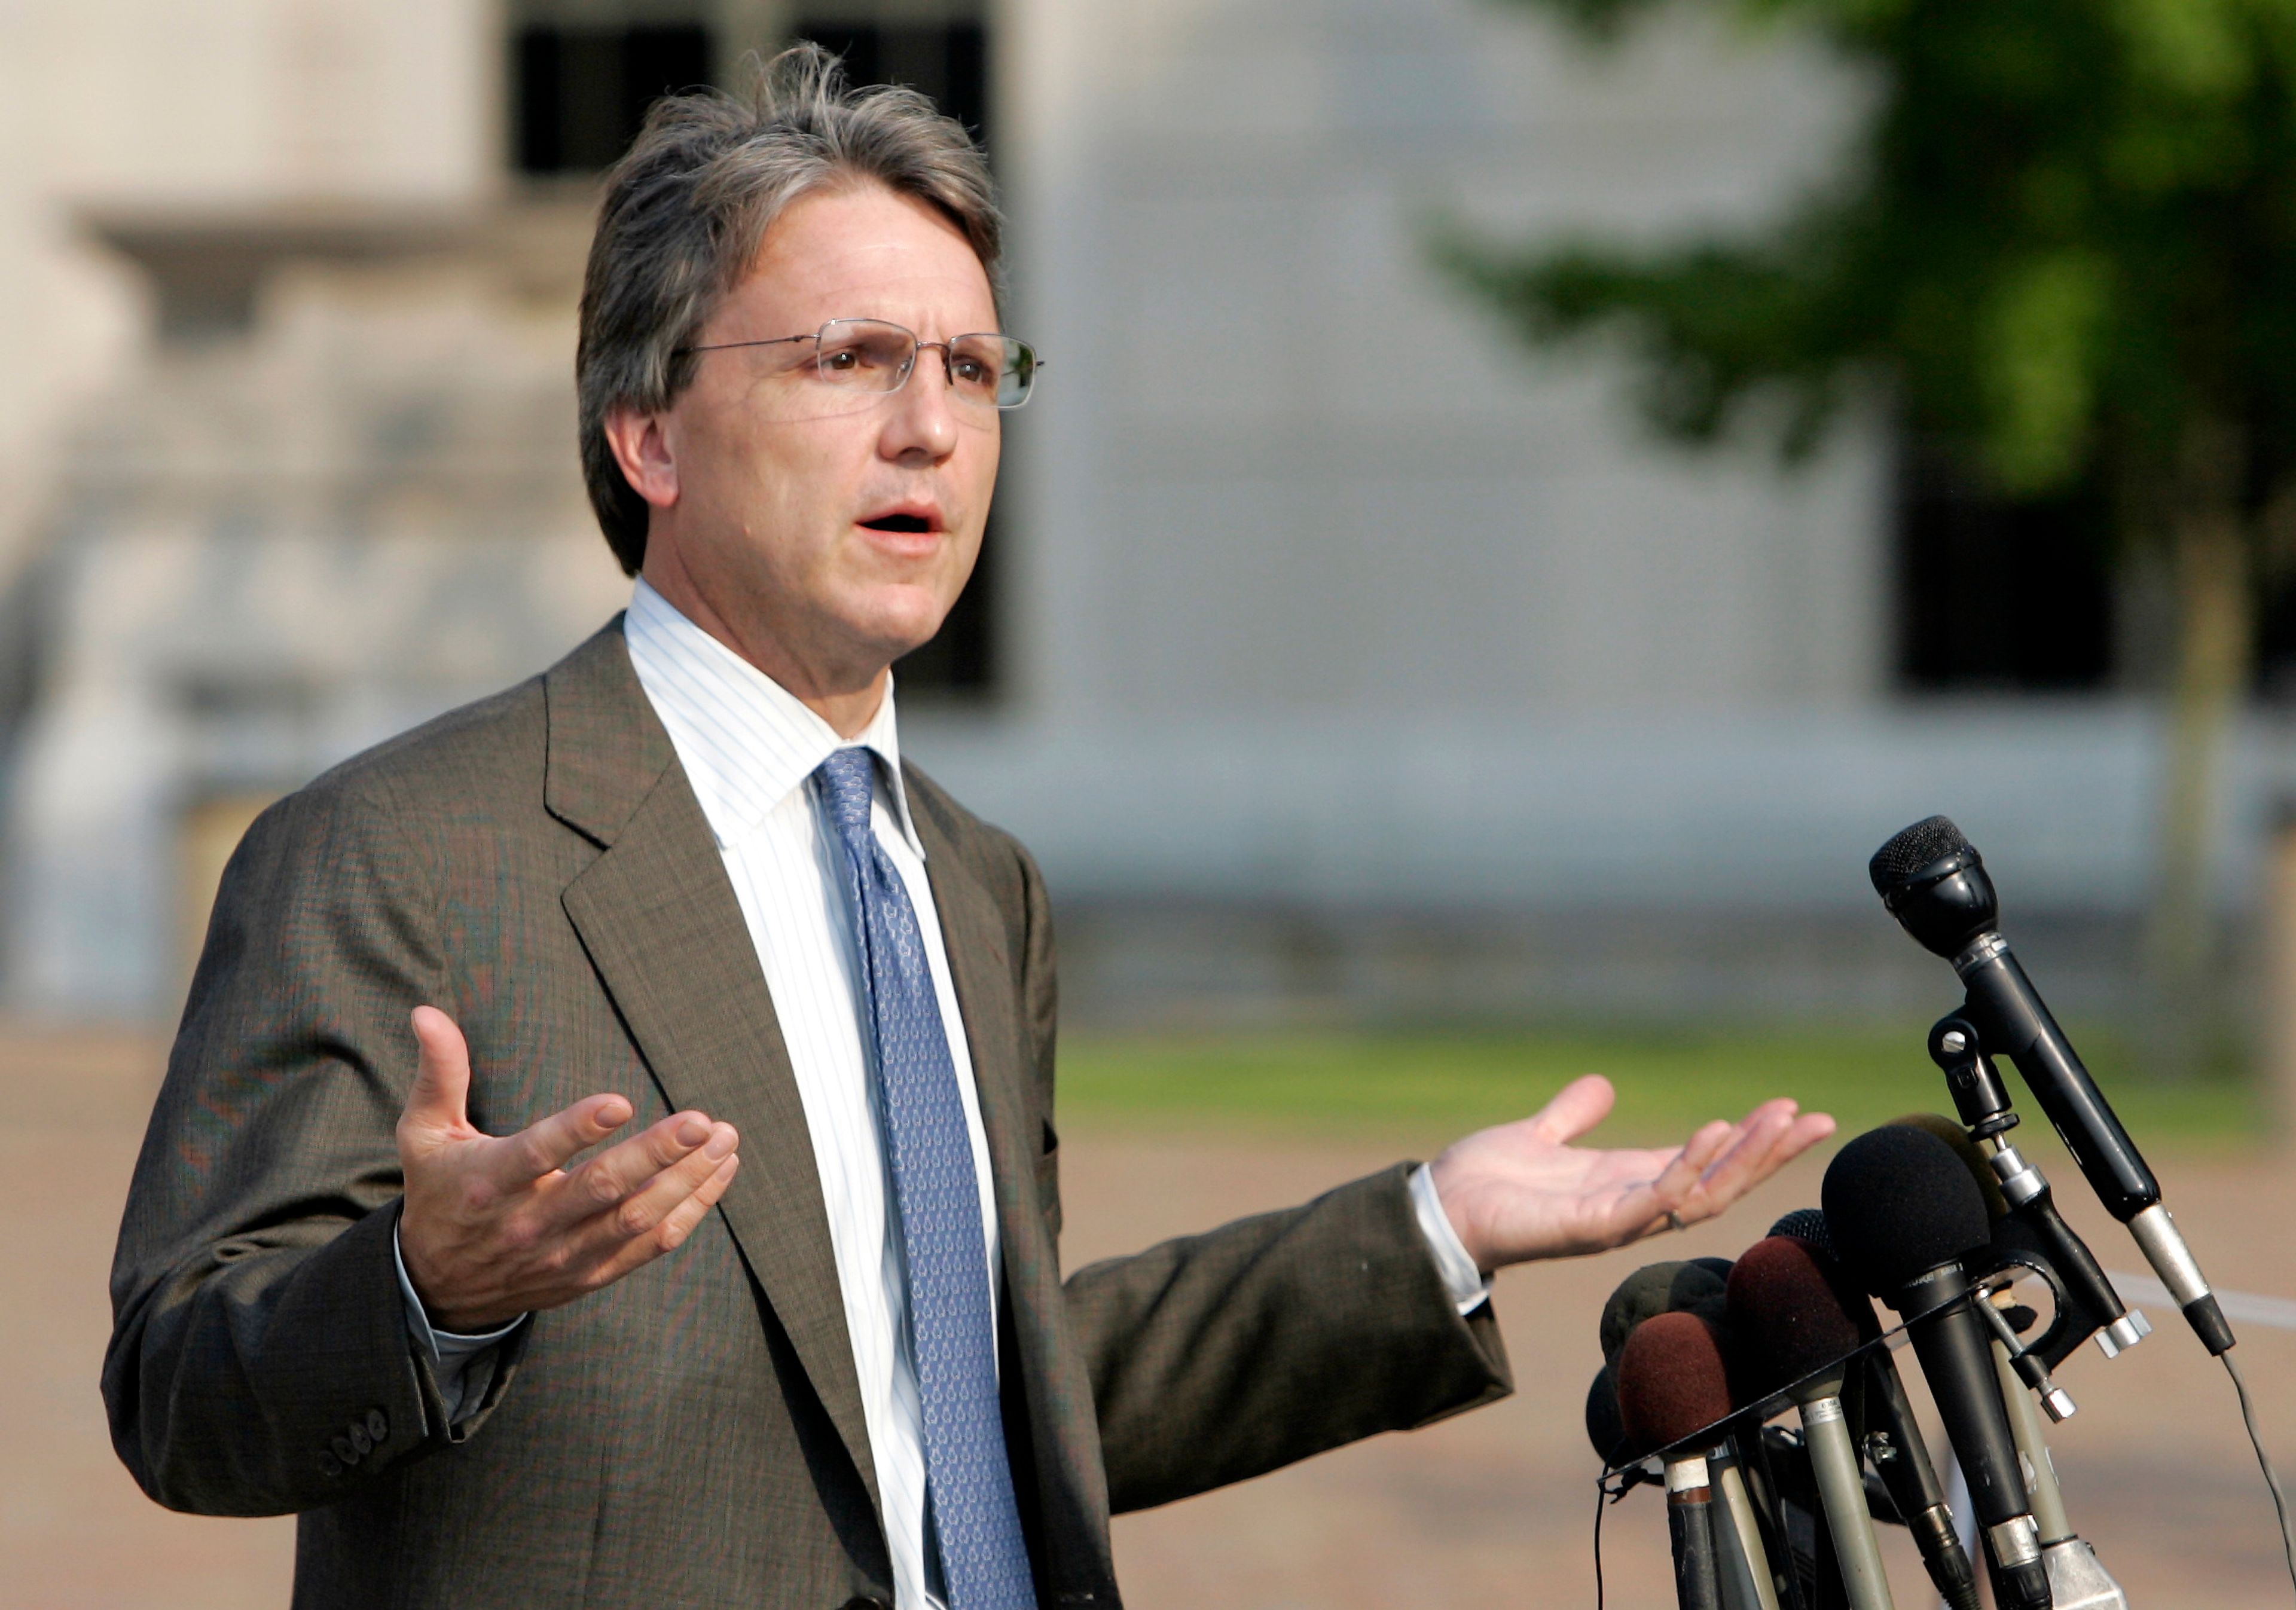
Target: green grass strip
[[1427, 1086]]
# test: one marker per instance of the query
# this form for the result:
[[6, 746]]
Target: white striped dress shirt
[[749, 747]]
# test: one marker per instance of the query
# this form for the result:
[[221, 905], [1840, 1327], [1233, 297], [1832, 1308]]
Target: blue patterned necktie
[[967, 1478]]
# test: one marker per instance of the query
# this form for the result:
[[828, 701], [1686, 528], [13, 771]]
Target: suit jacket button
[[329, 1465], [360, 1440], [378, 1426], [343, 1450]]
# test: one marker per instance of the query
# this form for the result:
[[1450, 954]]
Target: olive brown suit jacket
[[537, 866]]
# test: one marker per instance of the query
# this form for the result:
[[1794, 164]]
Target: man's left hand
[[1521, 1190]]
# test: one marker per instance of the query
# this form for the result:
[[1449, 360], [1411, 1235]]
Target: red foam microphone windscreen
[[1793, 1312], [1672, 1379]]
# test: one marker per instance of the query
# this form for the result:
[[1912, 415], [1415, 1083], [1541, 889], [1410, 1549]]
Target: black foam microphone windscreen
[[1899, 1203], [1996, 1205], [1672, 1286], [1606, 1428]]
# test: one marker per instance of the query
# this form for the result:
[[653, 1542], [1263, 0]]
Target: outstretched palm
[[1521, 1190]]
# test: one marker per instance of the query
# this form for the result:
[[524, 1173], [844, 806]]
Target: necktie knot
[[848, 778]]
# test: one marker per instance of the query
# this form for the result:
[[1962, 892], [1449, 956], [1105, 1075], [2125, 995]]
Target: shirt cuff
[[451, 1354], [1470, 1287]]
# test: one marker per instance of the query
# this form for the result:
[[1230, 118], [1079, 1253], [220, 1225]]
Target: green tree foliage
[[2066, 239]]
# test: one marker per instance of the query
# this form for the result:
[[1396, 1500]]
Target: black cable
[[2264, 1460], [1600, 1494], [1627, 1479]]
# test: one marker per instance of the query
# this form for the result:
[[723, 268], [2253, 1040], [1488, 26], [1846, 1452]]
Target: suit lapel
[[660, 921]]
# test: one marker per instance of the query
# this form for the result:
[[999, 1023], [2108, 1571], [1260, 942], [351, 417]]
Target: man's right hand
[[495, 1227]]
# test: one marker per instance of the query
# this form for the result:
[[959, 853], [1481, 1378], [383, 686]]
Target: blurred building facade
[[1332, 652]]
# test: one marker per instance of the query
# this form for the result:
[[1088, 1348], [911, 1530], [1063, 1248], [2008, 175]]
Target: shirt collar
[[745, 740]]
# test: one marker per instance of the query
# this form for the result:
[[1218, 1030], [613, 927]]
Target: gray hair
[[686, 208]]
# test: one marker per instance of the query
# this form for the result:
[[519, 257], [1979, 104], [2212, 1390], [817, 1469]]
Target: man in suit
[[384, 1263]]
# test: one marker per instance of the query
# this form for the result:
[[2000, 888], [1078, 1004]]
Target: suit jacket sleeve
[[1218, 1357], [258, 1321]]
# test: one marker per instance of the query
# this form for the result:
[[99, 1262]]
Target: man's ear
[[641, 444]]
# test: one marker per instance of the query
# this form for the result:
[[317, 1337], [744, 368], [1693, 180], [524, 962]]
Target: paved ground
[[1491, 1509]]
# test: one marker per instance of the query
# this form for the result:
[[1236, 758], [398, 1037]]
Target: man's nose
[[923, 423]]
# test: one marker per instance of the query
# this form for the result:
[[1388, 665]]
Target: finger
[[543, 1148], [1718, 1164], [1577, 1108], [1709, 1141], [439, 1098], [690, 1213], [1679, 1178], [1637, 1211], [675, 1227], [642, 1210], [623, 1169], [1806, 1131], [1746, 1164]]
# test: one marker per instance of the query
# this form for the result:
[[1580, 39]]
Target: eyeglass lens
[[991, 370]]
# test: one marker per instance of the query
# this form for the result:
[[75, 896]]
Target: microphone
[[1797, 1335], [2076, 1575], [1902, 1458], [1996, 1205], [2024, 1210], [1903, 1212], [1606, 1428], [1695, 1285], [2030, 1232], [1806, 1224], [1934, 883], [1673, 1385], [1676, 1286]]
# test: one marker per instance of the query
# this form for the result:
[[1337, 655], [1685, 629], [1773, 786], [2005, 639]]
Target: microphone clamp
[[2031, 1368]]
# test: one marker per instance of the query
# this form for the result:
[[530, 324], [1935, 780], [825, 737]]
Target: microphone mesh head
[[1929, 840], [1672, 1379], [1899, 1203], [1806, 1224]]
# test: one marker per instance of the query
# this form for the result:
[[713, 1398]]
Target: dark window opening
[[2276, 634], [580, 93], [1996, 595], [947, 61]]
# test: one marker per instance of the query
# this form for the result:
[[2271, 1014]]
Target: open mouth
[[898, 522]]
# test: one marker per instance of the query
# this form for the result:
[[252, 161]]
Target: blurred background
[[1526, 496]]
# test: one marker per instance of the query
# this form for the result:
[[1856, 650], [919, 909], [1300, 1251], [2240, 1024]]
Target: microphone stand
[[2077, 1579], [1741, 1564]]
